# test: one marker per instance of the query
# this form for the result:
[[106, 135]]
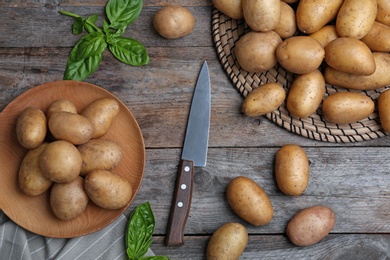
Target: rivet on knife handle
[[181, 204]]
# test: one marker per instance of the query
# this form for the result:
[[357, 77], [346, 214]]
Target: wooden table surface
[[353, 179]]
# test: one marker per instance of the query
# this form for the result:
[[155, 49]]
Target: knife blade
[[194, 153]]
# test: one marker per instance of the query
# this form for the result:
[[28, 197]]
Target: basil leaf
[[90, 45], [78, 26], [122, 13], [80, 70], [157, 257], [128, 51], [89, 22]]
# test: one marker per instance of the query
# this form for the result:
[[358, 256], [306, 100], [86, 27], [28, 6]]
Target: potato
[[355, 18], [68, 200], [173, 22], [347, 107], [231, 8], [306, 93], [249, 201], [310, 225], [31, 127], [312, 15], [108, 190], [378, 38], [290, 1], [287, 25], [32, 181], [383, 12], [264, 99], [101, 113], [261, 15], [379, 79], [60, 161], [61, 105], [383, 110], [300, 54], [325, 35], [255, 51], [292, 169], [227, 242], [99, 154], [74, 128], [350, 55]]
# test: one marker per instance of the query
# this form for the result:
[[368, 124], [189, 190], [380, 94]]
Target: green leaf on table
[[122, 13], [78, 25], [80, 70], [90, 22], [157, 257], [90, 45], [129, 51]]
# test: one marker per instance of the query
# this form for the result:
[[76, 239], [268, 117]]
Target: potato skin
[[311, 225], [61, 105], [306, 93], [99, 154], [264, 99], [249, 201], [173, 22], [101, 114], [325, 35], [287, 25], [231, 8], [255, 51], [227, 242], [261, 15], [378, 38], [382, 15], [31, 127], [383, 109], [347, 107], [32, 181], [108, 190], [292, 169], [68, 200]]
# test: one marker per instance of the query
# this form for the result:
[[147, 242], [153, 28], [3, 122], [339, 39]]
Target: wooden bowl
[[34, 213]]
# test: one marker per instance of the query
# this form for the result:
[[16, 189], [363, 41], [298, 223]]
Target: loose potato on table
[[231, 8], [227, 242], [61, 105], [261, 15], [173, 22], [31, 127]]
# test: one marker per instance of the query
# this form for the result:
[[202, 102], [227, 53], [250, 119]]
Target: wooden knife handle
[[181, 204]]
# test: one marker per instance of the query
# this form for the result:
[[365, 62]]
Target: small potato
[[312, 15], [325, 35], [264, 99], [32, 181], [231, 8], [31, 127], [382, 15], [311, 225], [355, 18], [255, 51], [261, 15], [347, 107], [60, 161], [99, 154], [300, 54], [74, 128], [292, 169], [383, 109], [68, 200], [173, 22], [306, 93], [287, 26], [101, 113], [350, 55], [378, 38], [227, 242], [61, 105], [249, 201], [108, 190]]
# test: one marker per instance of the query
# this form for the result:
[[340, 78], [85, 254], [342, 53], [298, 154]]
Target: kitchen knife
[[194, 153]]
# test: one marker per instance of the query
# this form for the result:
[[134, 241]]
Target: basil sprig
[[87, 54], [139, 233]]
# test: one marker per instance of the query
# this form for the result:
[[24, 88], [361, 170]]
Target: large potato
[[300, 54], [60, 161], [108, 190], [292, 169], [325, 35], [379, 79], [287, 26], [99, 154], [227, 242], [350, 55], [32, 180], [231, 8], [378, 38], [347, 107], [382, 15], [312, 15], [31, 127], [355, 18], [61, 105], [383, 109], [173, 22], [255, 51], [68, 200], [261, 15], [309, 226], [101, 113], [249, 201], [306, 93], [264, 99]]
